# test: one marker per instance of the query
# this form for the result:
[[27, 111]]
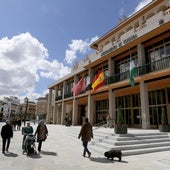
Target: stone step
[[120, 143], [101, 151], [102, 134], [144, 150], [130, 144], [131, 147], [132, 141], [129, 140], [142, 137]]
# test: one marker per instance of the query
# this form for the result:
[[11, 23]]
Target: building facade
[[10, 107], [143, 37], [41, 107], [28, 109]]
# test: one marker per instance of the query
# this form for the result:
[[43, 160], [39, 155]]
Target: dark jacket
[[86, 132], [28, 130], [6, 131], [41, 132]]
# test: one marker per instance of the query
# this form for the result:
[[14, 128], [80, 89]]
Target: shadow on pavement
[[120, 161], [48, 153], [104, 160], [101, 160], [34, 156], [11, 154]]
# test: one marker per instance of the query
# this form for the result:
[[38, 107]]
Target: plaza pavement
[[62, 152]]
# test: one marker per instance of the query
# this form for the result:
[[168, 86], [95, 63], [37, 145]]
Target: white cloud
[[121, 12], [23, 62], [70, 56], [78, 47], [93, 39], [142, 4]]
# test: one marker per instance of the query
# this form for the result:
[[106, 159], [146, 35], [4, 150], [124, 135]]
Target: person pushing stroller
[[28, 130], [29, 144]]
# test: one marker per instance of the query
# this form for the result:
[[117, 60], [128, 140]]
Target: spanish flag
[[98, 81]]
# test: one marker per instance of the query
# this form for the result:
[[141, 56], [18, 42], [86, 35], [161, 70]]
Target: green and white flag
[[133, 72]]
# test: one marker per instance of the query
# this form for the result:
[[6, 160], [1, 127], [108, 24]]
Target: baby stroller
[[29, 145]]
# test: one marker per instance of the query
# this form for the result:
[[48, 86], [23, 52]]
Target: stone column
[[49, 110], [63, 104], [75, 105], [59, 113], [144, 106], [55, 107], [64, 89], [111, 64], [90, 108], [91, 75], [140, 54], [112, 105], [75, 111], [55, 114], [63, 113]]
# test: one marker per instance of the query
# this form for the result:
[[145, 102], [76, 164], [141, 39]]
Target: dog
[[113, 153]]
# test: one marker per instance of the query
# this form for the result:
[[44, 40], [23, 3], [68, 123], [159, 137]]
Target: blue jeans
[[85, 148]]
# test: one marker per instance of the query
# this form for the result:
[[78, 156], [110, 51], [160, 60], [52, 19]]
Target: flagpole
[[130, 54], [132, 70]]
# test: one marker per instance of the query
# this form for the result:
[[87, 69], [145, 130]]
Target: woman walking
[[41, 133], [86, 133]]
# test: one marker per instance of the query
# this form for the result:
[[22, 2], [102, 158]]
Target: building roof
[[124, 22]]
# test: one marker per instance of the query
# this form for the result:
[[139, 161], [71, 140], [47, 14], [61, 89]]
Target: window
[[167, 49], [152, 98], [162, 52], [123, 65], [135, 100], [157, 56], [168, 92], [136, 116], [161, 97], [102, 107], [127, 101]]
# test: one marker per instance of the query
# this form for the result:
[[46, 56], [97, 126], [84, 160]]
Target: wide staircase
[[134, 143]]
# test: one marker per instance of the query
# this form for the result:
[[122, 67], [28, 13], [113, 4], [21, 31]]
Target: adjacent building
[[144, 37], [27, 109], [41, 108], [10, 107]]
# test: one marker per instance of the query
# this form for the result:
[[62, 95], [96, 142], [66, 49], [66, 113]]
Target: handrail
[[102, 124]]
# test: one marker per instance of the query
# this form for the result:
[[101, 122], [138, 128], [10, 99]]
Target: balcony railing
[[69, 94], [154, 66], [141, 70], [58, 98], [65, 96]]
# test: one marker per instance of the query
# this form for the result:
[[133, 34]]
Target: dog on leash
[[113, 153]]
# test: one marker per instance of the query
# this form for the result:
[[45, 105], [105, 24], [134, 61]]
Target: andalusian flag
[[98, 81], [133, 72]]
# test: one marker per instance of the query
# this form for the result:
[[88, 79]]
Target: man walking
[[86, 133], [6, 134]]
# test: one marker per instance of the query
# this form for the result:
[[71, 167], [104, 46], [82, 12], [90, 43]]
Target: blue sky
[[40, 40]]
